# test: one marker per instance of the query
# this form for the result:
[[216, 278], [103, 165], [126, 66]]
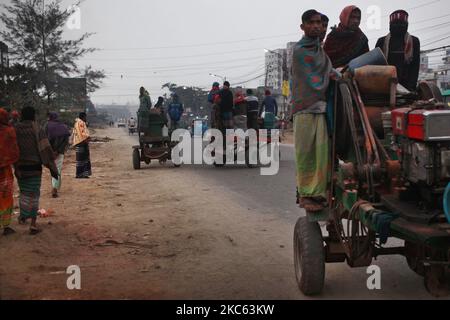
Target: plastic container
[[374, 58]]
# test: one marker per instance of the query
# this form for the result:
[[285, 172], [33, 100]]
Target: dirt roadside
[[157, 233]]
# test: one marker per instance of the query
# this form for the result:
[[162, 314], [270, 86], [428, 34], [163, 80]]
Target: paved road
[[275, 196]]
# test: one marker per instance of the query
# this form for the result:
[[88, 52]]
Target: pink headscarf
[[346, 13]]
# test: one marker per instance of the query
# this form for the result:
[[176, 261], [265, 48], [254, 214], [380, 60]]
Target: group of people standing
[[27, 147], [225, 108], [174, 111], [318, 61]]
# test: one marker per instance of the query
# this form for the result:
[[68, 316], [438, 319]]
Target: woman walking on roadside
[[81, 142], [9, 155]]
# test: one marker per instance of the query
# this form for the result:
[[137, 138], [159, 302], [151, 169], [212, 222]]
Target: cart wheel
[[136, 159], [414, 255], [309, 256], [437, 280]]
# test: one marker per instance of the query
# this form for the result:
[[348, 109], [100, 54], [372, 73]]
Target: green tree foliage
[[193, 98], [34, 34]]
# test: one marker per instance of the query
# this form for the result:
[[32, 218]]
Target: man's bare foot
[[22, 220], [311, 205], [54, 193]]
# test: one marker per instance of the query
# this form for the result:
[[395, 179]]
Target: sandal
[[34, 231], [7, 231], [22, 220]]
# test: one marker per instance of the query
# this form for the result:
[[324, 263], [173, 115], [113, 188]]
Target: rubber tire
[[309, 257], [136, 159], [247, 159], [412, 264]]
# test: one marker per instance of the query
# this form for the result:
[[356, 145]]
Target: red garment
[[239, 98], [342, 44], [399, 15], [345, 15], [9, 150]]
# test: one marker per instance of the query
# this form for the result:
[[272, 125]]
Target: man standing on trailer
[[402, 50], [311, 71]]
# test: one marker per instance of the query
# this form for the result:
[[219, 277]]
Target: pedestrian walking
[[58, 135], [9, 155], [35, 151], [81, 140]]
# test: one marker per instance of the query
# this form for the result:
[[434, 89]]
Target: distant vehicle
[[121, 123], [199, 126], [131, 126]]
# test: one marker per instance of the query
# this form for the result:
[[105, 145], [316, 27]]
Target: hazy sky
[[151, 42]]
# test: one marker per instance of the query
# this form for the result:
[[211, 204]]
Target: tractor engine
[[420, 137]]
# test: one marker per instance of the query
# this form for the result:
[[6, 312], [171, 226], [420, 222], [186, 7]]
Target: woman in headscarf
[[347, 41], [35, 151], [81, 142], [14, 118], [9, 155], [58, 135]]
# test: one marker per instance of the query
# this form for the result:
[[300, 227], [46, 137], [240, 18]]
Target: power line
[[252, 72], [439, 40], [176, 57], [432, 18], [434, 49], [203, 44], [418, 6], [435, 37], [242, 82], [205, 67], [217, 63], [431, 28], [179, 75]]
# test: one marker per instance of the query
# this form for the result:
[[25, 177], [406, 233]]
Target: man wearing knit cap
[[402, 50]]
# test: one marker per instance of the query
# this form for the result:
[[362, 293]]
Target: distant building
[[289, 51], [439, 74], [274, 68], [424, 63]]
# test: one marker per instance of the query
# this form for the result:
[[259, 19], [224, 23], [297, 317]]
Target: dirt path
[[149, 234]]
